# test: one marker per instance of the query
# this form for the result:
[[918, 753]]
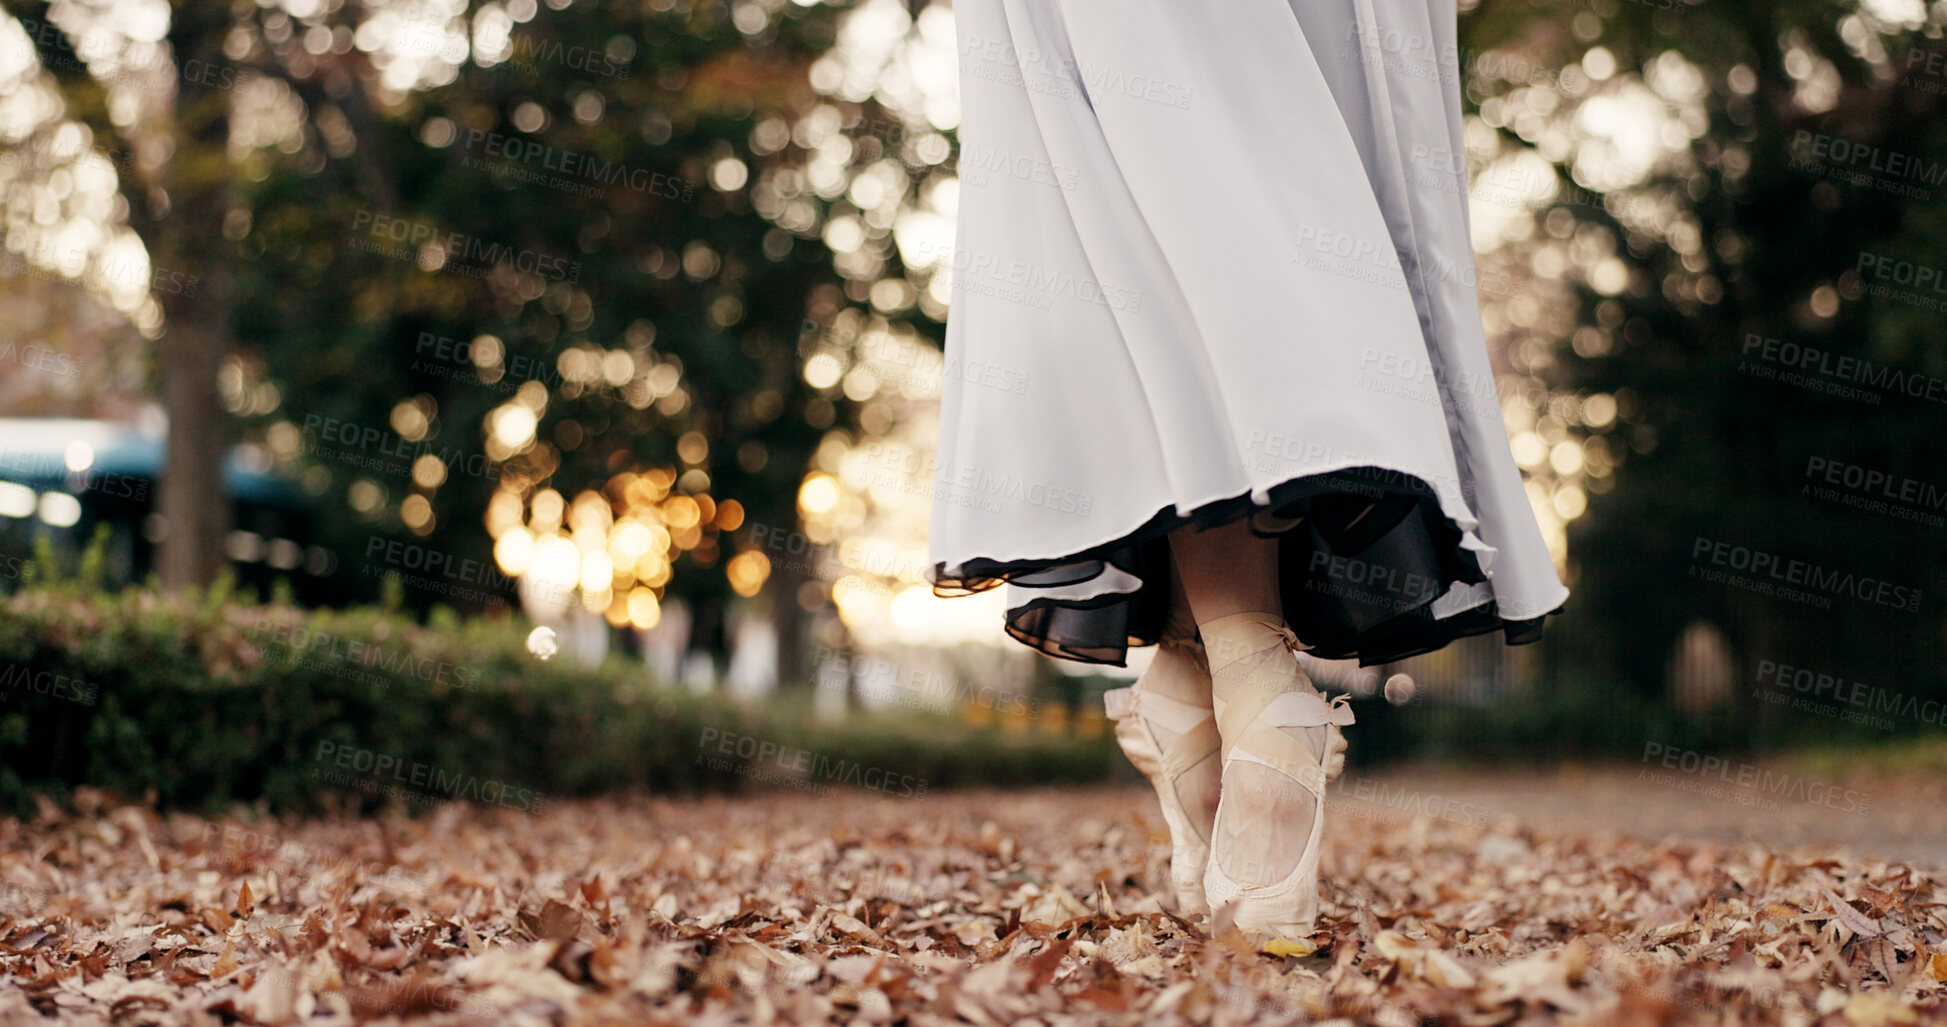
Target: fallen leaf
[[227, 962], [1855, 921], [1878, 1009], [557, 921], [852, 926]]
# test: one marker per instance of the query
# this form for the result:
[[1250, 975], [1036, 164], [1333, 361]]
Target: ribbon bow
[[1339, 710], [1290, 637]]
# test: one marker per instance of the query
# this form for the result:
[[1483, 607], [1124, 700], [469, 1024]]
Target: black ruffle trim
[[1359, 574]]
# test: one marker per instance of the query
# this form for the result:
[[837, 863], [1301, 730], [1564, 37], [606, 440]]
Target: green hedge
[[200, 700]]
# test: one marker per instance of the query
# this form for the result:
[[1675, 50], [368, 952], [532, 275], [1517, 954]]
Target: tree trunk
[[191, 278], [195, 504], [708, 634], [788, 618]]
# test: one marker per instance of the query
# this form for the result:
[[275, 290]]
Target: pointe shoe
[[1142, 712], [1259, 690]]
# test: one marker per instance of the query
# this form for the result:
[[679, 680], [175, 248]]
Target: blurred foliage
[[1582, 717], [601, 176], [1735, 232], [401, 181]]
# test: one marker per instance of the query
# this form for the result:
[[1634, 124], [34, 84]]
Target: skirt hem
[[1362, 567]]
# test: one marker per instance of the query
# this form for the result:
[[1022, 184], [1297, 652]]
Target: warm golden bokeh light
[[617, 546], [818, 494], [544, 511], [417, 512], [513, 426], [514, 551], [645, 611], [747, 572], [428, 471]]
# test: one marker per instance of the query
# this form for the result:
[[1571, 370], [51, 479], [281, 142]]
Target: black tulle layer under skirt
[[1365, 557]]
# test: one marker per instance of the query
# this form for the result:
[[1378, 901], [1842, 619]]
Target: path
[[1903, 818]]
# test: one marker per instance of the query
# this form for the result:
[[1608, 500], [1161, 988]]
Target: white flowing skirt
[[1212, 261]]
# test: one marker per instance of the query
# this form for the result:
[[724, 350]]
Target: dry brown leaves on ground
[[972, 908]]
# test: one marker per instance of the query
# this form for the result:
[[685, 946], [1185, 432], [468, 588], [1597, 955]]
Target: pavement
[[1895, 817]]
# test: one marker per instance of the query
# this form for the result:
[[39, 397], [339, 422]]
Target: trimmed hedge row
[[199, 700]]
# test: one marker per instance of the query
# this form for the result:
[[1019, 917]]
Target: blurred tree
[[564, 229], [1727, 174], [178, 197], [474, 255]]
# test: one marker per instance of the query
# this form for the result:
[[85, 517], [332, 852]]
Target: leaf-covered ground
[[977, 908]]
